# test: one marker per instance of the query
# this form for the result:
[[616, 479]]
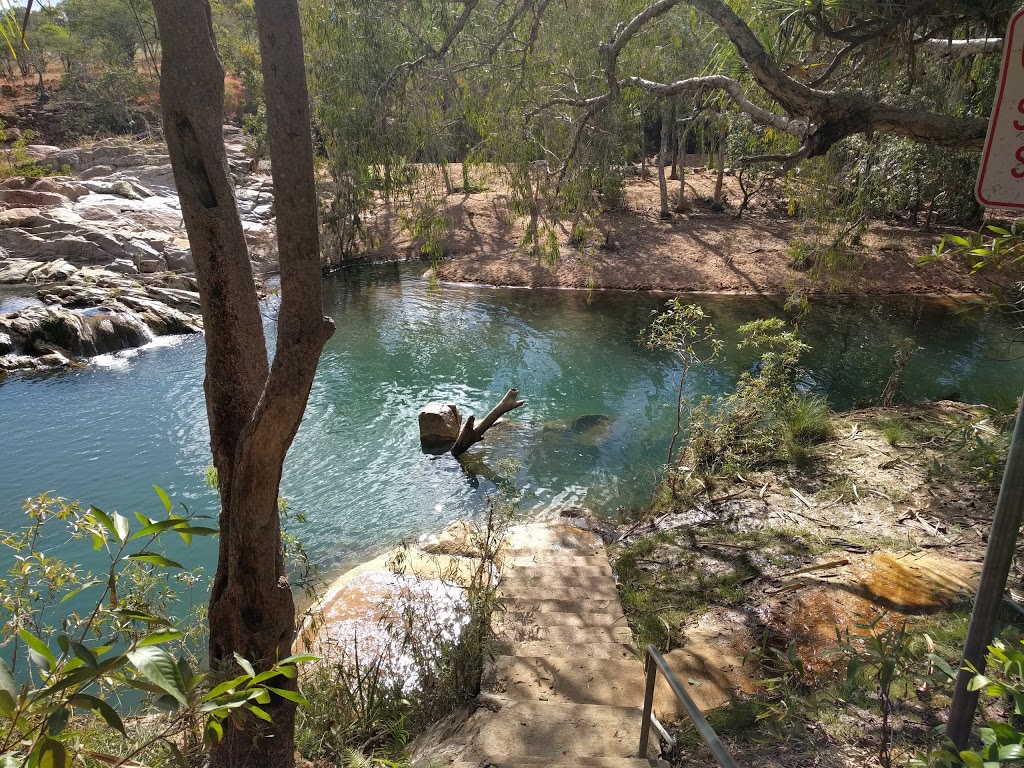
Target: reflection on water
[[594, 430]]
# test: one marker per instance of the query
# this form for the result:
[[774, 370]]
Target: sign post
[[1001, 178], [1000, 184]]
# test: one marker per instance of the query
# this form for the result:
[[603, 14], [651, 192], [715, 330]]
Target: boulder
[[19, 270], [179, 259], [95, 172], [6, 344], [123, 267], [49, 330], [439, 424], [30, 198], [61, 185]]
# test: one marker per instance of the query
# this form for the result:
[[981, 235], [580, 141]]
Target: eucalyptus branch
[[440, 53]]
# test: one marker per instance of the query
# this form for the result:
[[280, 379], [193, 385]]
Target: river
[[106, 433]]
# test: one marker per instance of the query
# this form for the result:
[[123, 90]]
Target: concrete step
[[566, 680], [550, 604], [512, 617], [605, 590], [564, 731], [561, 762], [571, 636], [599, 559], [558, 576], [567, 650], [554, 539]]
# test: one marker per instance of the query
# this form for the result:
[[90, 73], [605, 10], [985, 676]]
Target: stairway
[[565, 686]]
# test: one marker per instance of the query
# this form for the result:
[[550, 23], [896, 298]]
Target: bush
[[62, 696], [765, 418]]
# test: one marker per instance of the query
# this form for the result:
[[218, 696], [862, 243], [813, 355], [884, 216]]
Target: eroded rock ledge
[[104, 252]]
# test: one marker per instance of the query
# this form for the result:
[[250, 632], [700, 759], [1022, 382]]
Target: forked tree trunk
[[254, 409]]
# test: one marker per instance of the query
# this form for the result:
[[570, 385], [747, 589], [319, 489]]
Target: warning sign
[[1001, 179]]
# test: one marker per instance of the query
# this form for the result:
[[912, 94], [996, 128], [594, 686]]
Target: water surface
[[107, 433]]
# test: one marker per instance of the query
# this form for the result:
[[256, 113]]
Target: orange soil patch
[[810, 609]]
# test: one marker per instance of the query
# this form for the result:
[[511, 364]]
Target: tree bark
[[663, 159], [683, 134], [473, 432], [254, 409]]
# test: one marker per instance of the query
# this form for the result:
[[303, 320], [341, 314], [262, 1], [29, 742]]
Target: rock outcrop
[[104, 247]]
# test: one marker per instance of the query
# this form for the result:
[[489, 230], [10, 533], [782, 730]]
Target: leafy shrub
[[765, 415], [62, 694]]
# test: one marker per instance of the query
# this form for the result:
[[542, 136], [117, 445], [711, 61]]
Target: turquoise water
[[107, 433]]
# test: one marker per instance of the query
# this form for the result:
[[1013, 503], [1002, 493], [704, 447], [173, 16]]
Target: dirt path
[[702, 251]]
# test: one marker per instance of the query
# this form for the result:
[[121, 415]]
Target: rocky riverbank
[[102, 248]]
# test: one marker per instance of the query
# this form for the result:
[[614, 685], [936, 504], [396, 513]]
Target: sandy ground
[[700, 251]]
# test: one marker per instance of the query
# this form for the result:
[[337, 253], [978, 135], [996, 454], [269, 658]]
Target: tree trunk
[[684, 135], [253, 409], [720, 178], [473, 432], [666, 134]]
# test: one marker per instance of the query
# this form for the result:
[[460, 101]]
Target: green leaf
[[164, 498], [39, 647], [57, 721], [299, 658], [159, 527], [167, 703], [99, 707], [179, 759], [84, 654], [104, 519], [87, 585], [10, 760], [227, 685], [1010, 752], [8, 690], [942, 665], [260, 713], [978, 682], [53, 755], [293, 696], [213, 733], [244, 664], [157, 666], [121, 527], [158, 636], [1004, 733], [148, 618], [147, 557]]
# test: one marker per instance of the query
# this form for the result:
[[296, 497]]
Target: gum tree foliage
[[561, 96]]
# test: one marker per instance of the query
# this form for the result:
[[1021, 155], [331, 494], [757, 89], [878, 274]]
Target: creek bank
[[886, 526], [104, 249]]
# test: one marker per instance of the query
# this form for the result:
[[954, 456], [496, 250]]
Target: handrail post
[[645, 726], [654, 661]]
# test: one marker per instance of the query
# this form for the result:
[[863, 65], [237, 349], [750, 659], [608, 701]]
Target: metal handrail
[[654, 661]]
